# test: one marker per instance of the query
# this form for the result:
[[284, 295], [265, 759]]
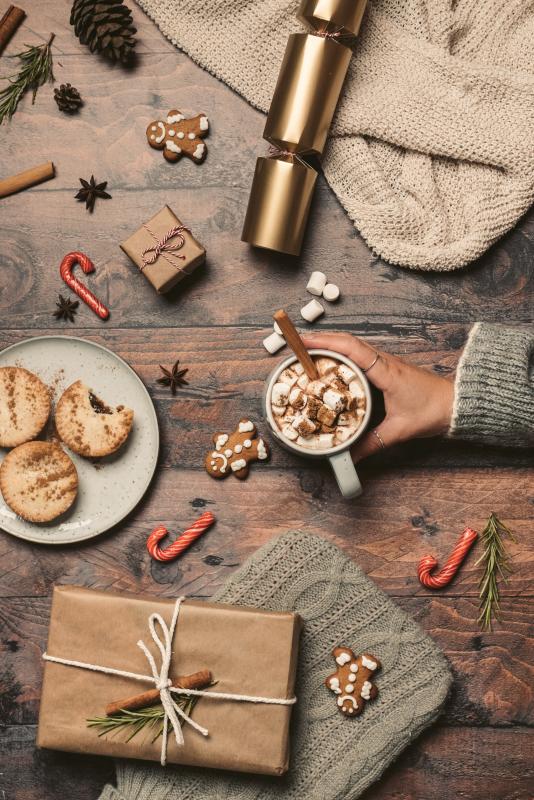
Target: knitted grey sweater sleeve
[[494, 391]]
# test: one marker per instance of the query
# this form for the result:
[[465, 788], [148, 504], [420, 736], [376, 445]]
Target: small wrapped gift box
[[165, 250], [251, 654]]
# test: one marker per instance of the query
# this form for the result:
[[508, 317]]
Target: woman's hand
[[418, 403]]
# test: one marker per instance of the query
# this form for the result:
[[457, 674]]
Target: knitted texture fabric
[[332, 757], [494, 392], [432, 148]]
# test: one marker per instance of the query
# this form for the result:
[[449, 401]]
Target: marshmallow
[[344, 419], [316, 284], [279, 411], [334, 400], [326, 440], [313, 407], [297, 368], [280, 394], [330, 292], [288, 376], [303, 381], [317, 388], [356, 389], [297, 398], [277, 329], [325, 364], [273, 343], [326, 415], [306, 441], [290, 433], [345, 433], [346, 374], [303, 425], [311, 311]]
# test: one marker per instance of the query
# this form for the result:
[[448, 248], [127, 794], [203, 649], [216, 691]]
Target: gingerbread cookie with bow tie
[[352, 681], [178, 136], [235, 451]]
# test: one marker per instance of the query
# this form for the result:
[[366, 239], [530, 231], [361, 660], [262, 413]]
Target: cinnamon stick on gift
[[9, 24], [198, 680], [23, 180]]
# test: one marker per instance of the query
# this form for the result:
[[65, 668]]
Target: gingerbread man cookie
[[352, 680], [178, 136], [234, 451]]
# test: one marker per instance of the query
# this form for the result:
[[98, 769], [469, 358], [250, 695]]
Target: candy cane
[[447, 573], [65, 270], [182, 542]]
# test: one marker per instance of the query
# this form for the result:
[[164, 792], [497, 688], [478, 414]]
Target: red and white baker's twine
[[184, 541], [452, 565], [162, 245], [65, 270]]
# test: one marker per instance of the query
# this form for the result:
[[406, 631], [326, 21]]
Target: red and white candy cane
[[452, 565], [65, 270], [182, 542]]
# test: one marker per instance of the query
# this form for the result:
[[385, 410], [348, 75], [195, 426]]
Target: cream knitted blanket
[[332, 758], [432, 148]]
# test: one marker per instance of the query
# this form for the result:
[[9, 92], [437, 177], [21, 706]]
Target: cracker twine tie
[[278, 152], [163, 683], [162, 245]]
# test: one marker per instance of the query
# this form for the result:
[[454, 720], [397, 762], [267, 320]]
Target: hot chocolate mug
[[339, 456]]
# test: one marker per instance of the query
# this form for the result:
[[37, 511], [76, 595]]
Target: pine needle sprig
[[35, 71], [132, 722], [496, 567]]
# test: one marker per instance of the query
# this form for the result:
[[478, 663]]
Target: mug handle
[[346, 475]]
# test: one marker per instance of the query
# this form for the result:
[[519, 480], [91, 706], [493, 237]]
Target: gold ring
[[379, 439], [373, 362]]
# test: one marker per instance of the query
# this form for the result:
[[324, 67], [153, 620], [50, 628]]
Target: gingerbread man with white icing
[[352, 680], [234, 451], [178, 136]]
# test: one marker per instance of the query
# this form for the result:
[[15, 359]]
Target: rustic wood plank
[[493, 671], [43, 18], [227, 371], [471, 763], [399, 518]]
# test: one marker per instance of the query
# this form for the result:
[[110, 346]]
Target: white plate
[[110, 487]]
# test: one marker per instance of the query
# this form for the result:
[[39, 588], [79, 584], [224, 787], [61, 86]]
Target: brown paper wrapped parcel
[[164, 262], [249, 652]]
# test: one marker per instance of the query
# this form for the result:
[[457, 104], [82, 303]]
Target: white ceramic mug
[[339, 456]]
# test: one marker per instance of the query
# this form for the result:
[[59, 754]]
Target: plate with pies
[[79, 439]]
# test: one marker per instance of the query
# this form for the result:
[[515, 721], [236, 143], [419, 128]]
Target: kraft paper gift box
[[163, 259], [249, 652]]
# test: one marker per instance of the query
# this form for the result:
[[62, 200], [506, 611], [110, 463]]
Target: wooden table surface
[[417, 498]]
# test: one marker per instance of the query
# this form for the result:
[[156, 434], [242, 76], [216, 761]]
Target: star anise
[[173, 377], [90, 191], [66, 308]]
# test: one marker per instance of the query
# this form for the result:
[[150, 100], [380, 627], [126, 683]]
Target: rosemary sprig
[[35, 71], [496, 565], [150, 718]]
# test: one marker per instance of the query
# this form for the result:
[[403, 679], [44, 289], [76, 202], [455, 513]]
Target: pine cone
[[105, 26], [68, 98]]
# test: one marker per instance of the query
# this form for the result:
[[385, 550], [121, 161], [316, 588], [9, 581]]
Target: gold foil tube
[[279, 203], [306, 94], [333, 16]]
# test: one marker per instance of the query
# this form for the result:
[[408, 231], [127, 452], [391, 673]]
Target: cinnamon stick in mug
[[294, 341], [198, 680]]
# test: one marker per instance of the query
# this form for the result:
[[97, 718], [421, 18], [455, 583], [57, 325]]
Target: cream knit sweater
[[432, 148]]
